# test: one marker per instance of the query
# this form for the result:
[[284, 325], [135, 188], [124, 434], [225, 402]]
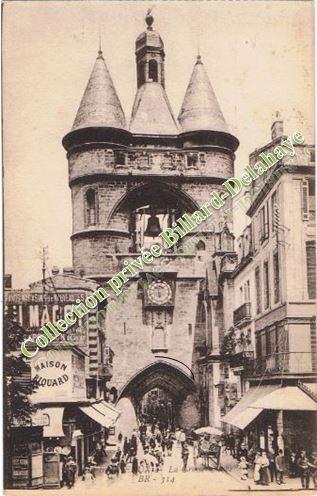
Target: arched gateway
[[164, 391], [129, 183]]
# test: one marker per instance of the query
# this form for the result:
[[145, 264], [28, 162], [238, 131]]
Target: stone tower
[[129, 183]]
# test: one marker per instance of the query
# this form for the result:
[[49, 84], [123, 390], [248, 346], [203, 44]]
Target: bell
[[153, 227]]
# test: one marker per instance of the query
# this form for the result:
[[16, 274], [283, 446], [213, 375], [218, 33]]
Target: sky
[[258, 55]]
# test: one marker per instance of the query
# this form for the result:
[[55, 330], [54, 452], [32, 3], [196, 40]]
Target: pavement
[[199, 481], [172, 481]]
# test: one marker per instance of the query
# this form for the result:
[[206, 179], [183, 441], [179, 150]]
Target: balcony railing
[[242, 358], [284, 363], [242, 314]]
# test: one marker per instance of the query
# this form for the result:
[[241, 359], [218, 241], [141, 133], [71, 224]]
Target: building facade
[[273, 328], [74, 408]]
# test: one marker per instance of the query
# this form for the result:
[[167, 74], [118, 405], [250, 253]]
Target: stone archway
[[177, 383]]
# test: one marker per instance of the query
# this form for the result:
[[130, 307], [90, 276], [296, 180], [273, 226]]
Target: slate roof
[[152, 113], [200, 110], [100, 105]]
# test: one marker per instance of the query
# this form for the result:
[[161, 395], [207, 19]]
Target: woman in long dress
[[257, 467]]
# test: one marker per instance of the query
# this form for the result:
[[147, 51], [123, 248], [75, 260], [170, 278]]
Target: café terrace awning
[[268, 397], [101, 412]]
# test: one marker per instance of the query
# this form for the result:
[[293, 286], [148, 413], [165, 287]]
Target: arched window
[[91, 208], [153, 75]]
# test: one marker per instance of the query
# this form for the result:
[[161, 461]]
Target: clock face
[[159, 292]]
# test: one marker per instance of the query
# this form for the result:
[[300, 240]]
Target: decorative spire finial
[[100, 55], [149, 19], [198, 61]]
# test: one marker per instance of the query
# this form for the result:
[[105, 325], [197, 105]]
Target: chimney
[[277, 128], [55, 270], [8, 281], [68, 271]]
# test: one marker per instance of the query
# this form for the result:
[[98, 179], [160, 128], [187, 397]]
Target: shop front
[[274, 417], [74, 424], [74, 429], [27, 457]]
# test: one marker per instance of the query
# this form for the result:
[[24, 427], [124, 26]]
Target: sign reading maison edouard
[[59, 378], [61, 375]]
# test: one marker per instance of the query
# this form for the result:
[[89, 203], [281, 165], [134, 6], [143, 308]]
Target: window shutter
[[305, 211], [311, 268]]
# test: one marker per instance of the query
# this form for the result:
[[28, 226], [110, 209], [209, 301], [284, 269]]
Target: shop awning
[[55, 424], [102, 413], [241, 415], [108, 411], [286, 398], [268, 397]]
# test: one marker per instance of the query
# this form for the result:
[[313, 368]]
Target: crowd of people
[[148, 447], [146, 450], [270, 466]]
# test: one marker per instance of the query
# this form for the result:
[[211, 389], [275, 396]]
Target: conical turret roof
[[100, 105], [200, 110], [152, 113]]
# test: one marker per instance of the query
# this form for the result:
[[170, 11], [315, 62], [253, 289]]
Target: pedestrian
[[112, 470], [164, 443], [120, 437], [158, 436], [265, 463], [272, 466], [195, 452], [303, 465], [98, 453], [118, 454], [134, 443], [69, 472], [185, 455], [123, 466], [280, 467], [182, 437], [135, 466], [313, 468], [242, 451], [152, 442], [243, 466], [257, 467], [126, 447], [232, 444], [169, 445], [177, 436], [293, 469], [132, 452], [92, 465], [88, 476]]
